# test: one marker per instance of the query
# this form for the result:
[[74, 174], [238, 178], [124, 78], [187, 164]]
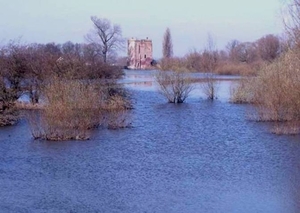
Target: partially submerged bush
[[275, 92], [210, 86], [175, 86], [8, 112], [277, 89], [242, 92], [72, 109], [8, 117], [117, 112]]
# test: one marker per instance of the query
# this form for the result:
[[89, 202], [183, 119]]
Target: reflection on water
[[200, 156]]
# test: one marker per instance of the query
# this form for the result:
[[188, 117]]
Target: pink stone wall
[[139, 54]]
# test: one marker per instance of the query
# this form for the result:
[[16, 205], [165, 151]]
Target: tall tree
[[167, 44], [108, 35], [232, 50], [292, 21], [268, 47]]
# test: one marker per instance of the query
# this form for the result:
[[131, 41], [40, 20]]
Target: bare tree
[[167, 44], [12, 74], [108, 35], [232, 49], [209, 63], [174, 85], [194, 61], [268, 47], [292, 21]]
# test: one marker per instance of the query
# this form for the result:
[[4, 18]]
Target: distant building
[[139, 53]]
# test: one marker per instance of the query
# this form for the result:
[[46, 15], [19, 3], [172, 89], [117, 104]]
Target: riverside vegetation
[[74, 85], [275, 90], [78, 85], [270, 67], [76, 91], [275, 93]]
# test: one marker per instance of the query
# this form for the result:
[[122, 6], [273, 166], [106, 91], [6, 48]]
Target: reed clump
[[275, 93], [72, 109], [230, 68]]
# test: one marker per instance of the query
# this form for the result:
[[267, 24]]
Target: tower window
[[145, 56]]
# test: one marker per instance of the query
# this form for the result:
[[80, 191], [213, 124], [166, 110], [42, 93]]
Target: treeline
[[25, 68], [239, 58]]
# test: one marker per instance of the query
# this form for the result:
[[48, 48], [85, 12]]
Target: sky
[[190, 21]]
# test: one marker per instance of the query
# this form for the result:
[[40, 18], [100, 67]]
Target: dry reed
[[275, 93], [73, 108]]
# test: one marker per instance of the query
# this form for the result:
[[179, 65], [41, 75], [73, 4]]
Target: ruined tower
[[139, 53]]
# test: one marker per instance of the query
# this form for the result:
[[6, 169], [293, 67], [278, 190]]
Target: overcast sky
[[190, 21]]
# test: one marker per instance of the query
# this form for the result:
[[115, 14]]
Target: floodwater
[[200, 156]]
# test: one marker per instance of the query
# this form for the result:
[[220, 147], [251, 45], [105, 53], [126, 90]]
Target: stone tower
[[139, 53]]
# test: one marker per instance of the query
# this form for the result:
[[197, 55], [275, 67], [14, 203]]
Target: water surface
[[201, 156]]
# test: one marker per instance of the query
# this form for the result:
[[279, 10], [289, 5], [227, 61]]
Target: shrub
[[117, 112], [228, 68], [277, 89], [275, 92], [8, 112], [210, 86], [8, 117], [72, 109], [175, 86], [168, 64], [242, 91]]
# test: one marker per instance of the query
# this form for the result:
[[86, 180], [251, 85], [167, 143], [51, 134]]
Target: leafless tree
[[232, 50], [247, 52], [167, 45], [14, 67], [12, 73], [174, 85], [241, 51], [108, 35], [209, 61], [292, 21], [194, 61], [268, 47]]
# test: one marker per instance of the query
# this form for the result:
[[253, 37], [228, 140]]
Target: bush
[[168, 64], [277, 89], [210, 86], [8, 112], [72, 109], [175, 86], [275, 92], [117, 112], [242, 91], [8, 117]]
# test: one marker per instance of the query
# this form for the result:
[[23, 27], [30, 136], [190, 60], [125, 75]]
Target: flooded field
[[200, 156]]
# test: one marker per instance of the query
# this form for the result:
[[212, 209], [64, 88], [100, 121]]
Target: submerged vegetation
[[269, 70], [74, 86], [74, 107], [275, 90], [175, 86]]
